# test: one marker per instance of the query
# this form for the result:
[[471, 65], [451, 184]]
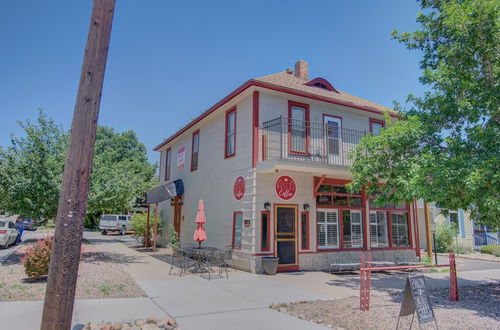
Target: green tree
[[120, 173], [31, 169], [445, 147]]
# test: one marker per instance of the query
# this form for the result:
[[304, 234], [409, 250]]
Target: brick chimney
[[301, 70]]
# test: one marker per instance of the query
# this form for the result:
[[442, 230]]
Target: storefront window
[[265, 226], [352, 228], [400, 229], [328, 229], [378, 229]]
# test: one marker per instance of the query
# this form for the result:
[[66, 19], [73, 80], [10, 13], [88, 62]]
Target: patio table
[[199, 255]]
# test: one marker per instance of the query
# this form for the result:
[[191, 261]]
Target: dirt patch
[[477, 309], [98, 277]]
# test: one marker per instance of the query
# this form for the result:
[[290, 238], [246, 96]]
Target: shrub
[[139, 225], [445, 236], [491, 249], [37, 259], [173, 237]]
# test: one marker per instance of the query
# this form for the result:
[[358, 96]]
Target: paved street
[[6, 252]]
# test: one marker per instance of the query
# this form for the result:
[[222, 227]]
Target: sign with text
[[246, 223], [285, 187], [181, 157], [416, 299], [239, 188]]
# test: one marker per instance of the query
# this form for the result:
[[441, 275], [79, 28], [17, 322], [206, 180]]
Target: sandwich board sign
[[416, 299]]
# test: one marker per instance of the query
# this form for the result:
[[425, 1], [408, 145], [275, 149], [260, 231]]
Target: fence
[[306, 141]]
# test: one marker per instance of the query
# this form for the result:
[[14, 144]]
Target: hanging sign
[[416, 299], [239, 188], [181, 157], [285, 187]]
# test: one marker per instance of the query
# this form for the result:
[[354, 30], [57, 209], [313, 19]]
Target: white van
[[115, 222]]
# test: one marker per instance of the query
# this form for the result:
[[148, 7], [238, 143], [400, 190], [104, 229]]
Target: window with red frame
[[389, 225], [298, 129], [230, 138], [376, 126], [168, 160], [265, 240], [194, 150]]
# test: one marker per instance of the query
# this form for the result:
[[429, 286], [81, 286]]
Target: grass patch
[[491, 249]]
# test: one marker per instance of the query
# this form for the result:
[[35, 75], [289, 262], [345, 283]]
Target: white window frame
[[360, 224], [323, 226], [375, 224]]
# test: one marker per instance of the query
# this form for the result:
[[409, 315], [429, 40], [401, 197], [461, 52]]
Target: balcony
[[287, 139]]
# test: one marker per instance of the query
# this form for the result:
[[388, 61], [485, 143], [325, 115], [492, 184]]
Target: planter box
[[270, 265]]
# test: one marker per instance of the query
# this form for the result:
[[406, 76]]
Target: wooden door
[[177, 214]]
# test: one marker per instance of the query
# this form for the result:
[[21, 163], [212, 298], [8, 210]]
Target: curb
[[469, 258]]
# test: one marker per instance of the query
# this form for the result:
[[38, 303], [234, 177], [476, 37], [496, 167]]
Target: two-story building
[[269, 161]]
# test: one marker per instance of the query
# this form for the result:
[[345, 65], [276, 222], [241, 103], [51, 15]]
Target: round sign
[[285, 187], [239, 188]]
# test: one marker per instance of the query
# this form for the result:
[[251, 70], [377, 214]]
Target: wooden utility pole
[[63, 271], [147, 227], [428, 229]]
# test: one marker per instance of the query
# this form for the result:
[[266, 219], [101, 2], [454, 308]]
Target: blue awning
[[164, 192]]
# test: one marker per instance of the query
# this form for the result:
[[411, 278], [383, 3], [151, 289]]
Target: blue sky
[[170, 60]]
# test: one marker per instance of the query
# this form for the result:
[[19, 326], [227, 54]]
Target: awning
[[164, 192]]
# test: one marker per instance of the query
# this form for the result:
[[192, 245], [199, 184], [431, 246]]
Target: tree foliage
[[445, 147], [31, 170]]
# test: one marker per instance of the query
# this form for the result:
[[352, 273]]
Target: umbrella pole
[[199, 245]]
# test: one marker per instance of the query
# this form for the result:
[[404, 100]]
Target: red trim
[[293, 268], [264, 147], [307, 231], [168, 163], [376, 121], [323, 81], [193, 168], [262, 254], [261, 84], [366, 219], [228, 112], [234, 227], [255, 129], [268, 230], [306, 117]]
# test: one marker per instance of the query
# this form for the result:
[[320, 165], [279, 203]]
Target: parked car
[[28, 223], [8, 233], [115, 222]]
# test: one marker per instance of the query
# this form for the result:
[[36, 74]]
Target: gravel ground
[[99, 276], [478, 308]]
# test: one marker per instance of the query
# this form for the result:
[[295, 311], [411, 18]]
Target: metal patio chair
[[227, 255]]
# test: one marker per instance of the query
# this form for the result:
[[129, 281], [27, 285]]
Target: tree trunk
[[61, 284]]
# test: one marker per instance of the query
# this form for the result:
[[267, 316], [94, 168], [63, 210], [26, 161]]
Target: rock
[[106, 327], [140, 323], [170, 327], [151, 320], [116, 326], [170, 321], [93, 326], [151, 326]]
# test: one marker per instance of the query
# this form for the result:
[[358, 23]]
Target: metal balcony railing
[[306, 141]]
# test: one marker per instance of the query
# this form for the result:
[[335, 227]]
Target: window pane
[[378, 229], [376, 128], [238, 224], [195, 142], [454, 221], [325, 188], [167, 164], [323, 200], [352, 228], [305, 231], [264, 241], [400, 229], [327, 229], [355, 202], [340, 200], [230, 133], [298, 129]]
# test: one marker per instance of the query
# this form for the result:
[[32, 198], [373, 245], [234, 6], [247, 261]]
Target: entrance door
[[286, 236], [177, 214], [333, 141]]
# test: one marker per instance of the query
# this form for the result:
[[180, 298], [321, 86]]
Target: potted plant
[[270, 265]]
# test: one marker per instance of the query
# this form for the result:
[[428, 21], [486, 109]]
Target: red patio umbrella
[[200, 235]]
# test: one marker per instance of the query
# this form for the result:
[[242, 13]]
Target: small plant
[[139, 225], [445, 235], [491, 249], [173, 238], [37, 259]]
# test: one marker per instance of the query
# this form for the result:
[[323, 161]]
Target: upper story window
[[230, 144], [168, 161], [297, 128], [194, 150], [376, 126]]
